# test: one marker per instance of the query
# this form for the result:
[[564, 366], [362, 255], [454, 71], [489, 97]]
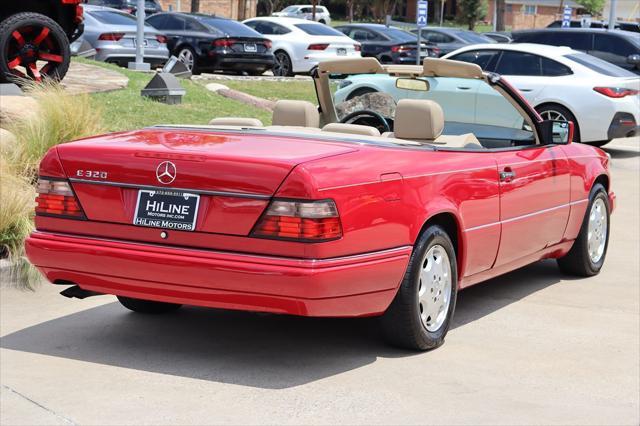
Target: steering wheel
[[354, 116]]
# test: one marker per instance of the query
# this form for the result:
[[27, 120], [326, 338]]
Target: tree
[[381, 8], [500, 5], [472, 11], [593, 7]]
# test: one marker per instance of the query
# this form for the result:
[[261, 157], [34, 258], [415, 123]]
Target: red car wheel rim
[[33, 52]]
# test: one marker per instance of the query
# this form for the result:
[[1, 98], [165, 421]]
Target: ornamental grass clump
[[61, 117]]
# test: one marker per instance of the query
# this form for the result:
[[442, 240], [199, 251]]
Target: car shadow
[[250, 349], [621, 153]]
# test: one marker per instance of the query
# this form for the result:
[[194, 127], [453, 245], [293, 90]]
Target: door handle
[[525, 90], [464, 88], [507, 175]]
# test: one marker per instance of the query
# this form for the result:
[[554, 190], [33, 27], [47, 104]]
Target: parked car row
[[601, 99]]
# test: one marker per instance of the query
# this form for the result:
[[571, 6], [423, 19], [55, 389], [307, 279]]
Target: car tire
[[322, 21], [589, 250], [386, 60], [282, 66], [359, 92], [431, 273], [188, 57], [558, 112], [147, 306], [48, 42]]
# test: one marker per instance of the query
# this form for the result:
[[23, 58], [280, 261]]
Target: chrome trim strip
[[171, 188], [513, 219]]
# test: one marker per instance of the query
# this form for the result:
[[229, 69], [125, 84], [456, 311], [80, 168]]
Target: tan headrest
[[418, 119], [353, 129], [295, 113], [236, 121]]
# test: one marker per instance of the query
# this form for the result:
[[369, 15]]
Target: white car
[[305, 11], [299, 45], [563, 84]]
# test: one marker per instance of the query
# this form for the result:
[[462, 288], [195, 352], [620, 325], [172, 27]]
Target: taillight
[[268, 44], [79, 14], [358, 47], [161, 39], [111, 36], [224, 42], [616, 92], [300, 220], [318, 46], [397, 49], [55, 197]]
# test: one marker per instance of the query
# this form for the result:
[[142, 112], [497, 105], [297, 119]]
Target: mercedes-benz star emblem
[[166, 172]]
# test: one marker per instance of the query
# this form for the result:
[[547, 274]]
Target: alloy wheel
[[597, 231], [551, 114], [434, 289], [186, 57], [281, 66], [33, 52]]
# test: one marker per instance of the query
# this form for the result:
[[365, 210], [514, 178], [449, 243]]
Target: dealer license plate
[[342, 51], [167, 209], [250, 48]]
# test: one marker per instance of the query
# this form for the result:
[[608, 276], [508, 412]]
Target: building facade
[[234, 9], [526, 14]]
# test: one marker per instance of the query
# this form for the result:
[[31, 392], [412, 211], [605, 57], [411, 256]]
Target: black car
[[450, 39], [621, 48], [499, 36], [209, 43], [388, 44], [619, 25], [129, 6]]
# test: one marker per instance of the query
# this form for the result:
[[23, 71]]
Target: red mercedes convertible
[[371, 215]]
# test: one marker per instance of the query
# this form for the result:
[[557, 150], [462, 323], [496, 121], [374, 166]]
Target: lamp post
[[612, 15], [139, 64]]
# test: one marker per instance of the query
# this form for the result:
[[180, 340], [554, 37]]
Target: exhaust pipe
[[78, 293]]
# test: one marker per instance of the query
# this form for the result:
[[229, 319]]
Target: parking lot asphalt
[[530, 347]]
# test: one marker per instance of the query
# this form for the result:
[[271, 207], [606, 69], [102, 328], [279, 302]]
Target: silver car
[[112, 34], [305, 12]]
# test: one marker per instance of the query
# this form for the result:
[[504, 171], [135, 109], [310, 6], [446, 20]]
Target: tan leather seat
[[236, 121], [296, 113], [423, 121], [353, 129]]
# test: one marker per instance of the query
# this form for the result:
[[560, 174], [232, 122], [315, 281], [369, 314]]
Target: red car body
[[384, 196]]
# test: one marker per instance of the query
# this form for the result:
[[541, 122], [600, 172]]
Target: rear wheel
[[420, 314], [147, 306], [589, 250], [558, 112], [187, 56], [32, 47], [282, 66]]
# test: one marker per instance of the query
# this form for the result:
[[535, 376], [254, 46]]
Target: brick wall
[[516, 18], [234, 9]]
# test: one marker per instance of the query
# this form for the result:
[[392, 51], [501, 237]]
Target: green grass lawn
[[126, 109], [274, 90]]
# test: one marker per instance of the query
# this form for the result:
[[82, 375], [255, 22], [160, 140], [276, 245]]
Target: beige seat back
[[296, 113], [353, 129], [417, 119], [236, 121]]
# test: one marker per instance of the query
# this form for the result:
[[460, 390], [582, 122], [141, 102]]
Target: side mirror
[[633, 59], [555, 132]]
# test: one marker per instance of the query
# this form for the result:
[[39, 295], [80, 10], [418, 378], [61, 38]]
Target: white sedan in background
[[563, 84], [299, 45]]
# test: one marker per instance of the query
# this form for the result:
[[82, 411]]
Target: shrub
[[62, 118]]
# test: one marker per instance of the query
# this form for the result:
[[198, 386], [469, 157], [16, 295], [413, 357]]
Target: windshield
[[229, 27], [599, 66], [474, 38], [113, 18], [319, 30], [399, 35], [290, 9]]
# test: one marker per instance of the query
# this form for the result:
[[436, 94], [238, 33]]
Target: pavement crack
[[60, 416]]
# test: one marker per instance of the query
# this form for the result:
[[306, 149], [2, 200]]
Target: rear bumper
[[623, 125], [238, 62], [360, 285]]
